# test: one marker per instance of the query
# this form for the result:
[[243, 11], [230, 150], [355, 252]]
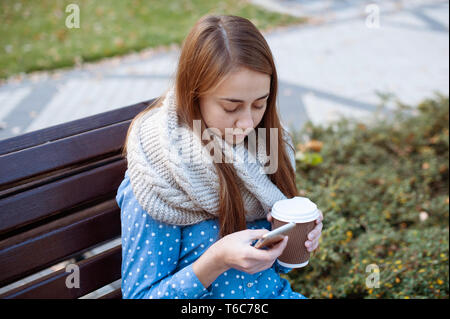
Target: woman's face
[[239, 102]]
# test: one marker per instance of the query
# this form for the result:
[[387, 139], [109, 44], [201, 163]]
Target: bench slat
[[46, 245], [47, 200], [61, 153], [36, 181], [95, 272], [57, 200], [116, 294], [71, 128]]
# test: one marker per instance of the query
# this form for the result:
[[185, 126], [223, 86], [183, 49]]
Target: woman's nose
[[245, 122]]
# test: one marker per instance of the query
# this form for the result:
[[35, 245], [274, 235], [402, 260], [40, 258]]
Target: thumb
[[279, 247], [257, 233]]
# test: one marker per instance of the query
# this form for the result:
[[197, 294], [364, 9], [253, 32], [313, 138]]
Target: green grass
[[33, 34], [384, 192]]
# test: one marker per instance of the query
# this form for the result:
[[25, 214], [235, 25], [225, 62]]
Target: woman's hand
[[313, 237], [235, 251]]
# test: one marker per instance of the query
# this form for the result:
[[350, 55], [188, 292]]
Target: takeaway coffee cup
[[303, 212]]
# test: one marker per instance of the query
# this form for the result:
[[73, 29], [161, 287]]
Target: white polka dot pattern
[[157, 259]]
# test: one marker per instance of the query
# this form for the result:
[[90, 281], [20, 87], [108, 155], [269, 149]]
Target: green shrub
[[384, 190]]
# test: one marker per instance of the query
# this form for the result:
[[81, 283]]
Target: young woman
[[190, 216]]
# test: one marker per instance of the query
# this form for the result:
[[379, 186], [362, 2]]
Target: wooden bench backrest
[[57, 200]]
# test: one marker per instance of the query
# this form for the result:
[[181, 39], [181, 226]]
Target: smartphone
[[274, 236]]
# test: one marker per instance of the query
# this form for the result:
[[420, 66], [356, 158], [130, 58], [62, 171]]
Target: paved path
[[335, 65]]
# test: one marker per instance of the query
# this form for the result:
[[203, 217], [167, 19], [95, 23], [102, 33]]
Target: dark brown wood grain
[[61, 153], [116, 294], [36, 181], [36, 249], [94, 273], [71, 128], [49, 199], [57, 200]]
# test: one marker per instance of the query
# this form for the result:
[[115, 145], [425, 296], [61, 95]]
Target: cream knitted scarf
[[176, 182]]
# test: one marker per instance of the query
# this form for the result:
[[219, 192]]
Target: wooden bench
[[57, 202]]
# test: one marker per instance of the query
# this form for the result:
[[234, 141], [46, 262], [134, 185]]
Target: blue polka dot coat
[[157, 259]]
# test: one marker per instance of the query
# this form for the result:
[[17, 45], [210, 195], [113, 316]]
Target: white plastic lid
[[297, 209]]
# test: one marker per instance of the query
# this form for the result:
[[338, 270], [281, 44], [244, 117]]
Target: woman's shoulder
[[124, 192], [133, 212], [125, 183], [130, 206]]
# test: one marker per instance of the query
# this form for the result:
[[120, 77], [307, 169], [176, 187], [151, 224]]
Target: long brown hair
[[214, 47]]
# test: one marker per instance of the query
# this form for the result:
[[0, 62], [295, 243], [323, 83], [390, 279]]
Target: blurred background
[[363, 86]]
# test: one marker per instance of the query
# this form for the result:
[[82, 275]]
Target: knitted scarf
[[173, 176]]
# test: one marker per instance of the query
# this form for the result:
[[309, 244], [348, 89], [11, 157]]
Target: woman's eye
[[258, 107]]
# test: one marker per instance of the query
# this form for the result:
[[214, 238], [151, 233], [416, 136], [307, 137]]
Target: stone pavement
[[335, 65]]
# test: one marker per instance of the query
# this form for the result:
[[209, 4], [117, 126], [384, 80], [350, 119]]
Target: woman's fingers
[[313, 238], [273, 252], [320, 218], [256, 233], [311, 244], [308, 244], [315, 245], [318, 229], [315, 233], [281, 244], [247, 236], [278, 248]]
